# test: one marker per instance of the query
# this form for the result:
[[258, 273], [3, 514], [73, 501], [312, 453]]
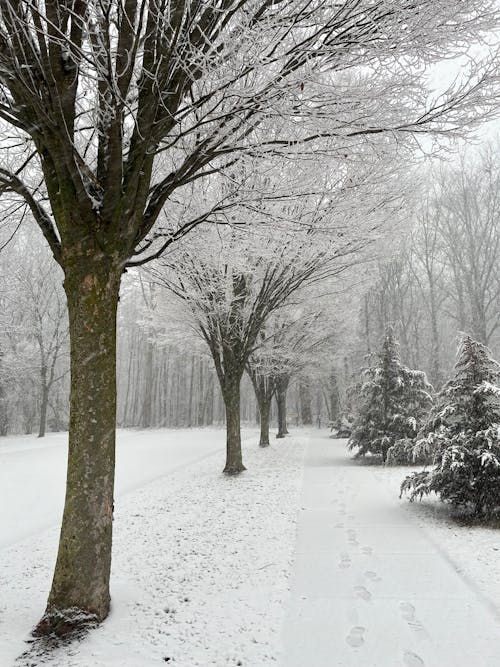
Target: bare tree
[[232, 290], [33, 334], [445, 278], [45, 321], [470, 203], [301, 340], [428, 270]]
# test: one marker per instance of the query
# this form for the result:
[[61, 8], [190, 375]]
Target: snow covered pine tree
[[394, 401], [463, 434]]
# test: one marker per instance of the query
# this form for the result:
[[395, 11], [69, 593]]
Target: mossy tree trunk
[[80, 587]]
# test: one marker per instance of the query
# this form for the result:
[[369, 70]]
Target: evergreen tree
[[394, 401], [463, 434]]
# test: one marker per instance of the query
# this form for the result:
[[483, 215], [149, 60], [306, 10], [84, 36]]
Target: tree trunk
[[334, 397], [231, 395], [281, 388], [146, 420], [4, 418], [44, 401], [265, 414], [435, 344], [264, 391], [479, 318], [202, 397], [367, 325], [264, 395], [191, 392], [211, 399], [305, 403], [60, 424], [4, 413], [80, 587]]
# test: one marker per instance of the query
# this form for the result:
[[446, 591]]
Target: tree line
[[445, 278]]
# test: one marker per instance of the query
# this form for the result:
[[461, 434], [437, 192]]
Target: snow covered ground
[[203, 564], [200, 563], [472, 550], [371, 588], [33, 471]]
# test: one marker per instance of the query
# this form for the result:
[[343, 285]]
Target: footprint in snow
[[411, 659], [345, 560], [416, 625], [408, 613], [363, 593], [355, 638]]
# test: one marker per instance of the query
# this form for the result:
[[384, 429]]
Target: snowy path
[[369, 587]]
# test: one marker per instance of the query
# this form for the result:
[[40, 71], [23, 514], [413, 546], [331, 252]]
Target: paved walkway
[[369, 589]]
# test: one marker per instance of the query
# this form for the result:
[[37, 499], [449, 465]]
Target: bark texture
[[80, 587]]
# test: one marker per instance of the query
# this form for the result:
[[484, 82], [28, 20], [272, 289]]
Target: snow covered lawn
[[200, 567], [33, 471]]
